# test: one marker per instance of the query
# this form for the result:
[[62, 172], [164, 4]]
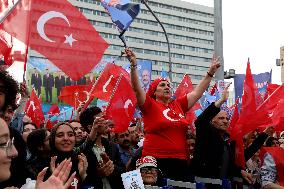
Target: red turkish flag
[[271, 88], [49, 124], [3, 4], [184, 87], [249, 106], [277, 115], [235, 116], [122, 105], [239, 151], [61, 33], [74, 95], [54, 110], [106, 82], [17, 22], [6, 48], [15, 26], [34, 110], [213, 89]]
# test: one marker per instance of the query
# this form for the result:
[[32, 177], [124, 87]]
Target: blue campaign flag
[[122, 12], [164, 74], [261, 80], [144, 68]]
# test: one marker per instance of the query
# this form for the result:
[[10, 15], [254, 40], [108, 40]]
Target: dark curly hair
[[36, 140], [10, 89], [270, 140], [87, 117]]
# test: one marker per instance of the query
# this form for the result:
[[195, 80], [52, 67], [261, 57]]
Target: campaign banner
[[261, 81], [144, 68], [48, 80]]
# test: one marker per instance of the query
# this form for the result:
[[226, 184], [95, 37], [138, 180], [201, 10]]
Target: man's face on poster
[[145, 77]]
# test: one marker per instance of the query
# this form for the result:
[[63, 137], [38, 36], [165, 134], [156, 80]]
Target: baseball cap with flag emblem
[[147, 161]]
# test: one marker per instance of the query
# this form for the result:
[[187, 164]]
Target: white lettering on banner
[[45, 18], [165, 112], [107, 83]]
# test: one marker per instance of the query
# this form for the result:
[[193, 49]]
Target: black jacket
[[208, 157]]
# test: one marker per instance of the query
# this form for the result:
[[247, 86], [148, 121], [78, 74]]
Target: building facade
[[282, 63], [190, 28]]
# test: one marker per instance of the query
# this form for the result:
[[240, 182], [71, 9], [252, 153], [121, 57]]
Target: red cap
[[153, 87]]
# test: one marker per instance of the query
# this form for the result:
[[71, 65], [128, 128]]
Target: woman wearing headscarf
[[165, 126], [62, 142], [59, 178]]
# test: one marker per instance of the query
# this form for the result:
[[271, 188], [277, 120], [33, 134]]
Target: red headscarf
[[153, 87]]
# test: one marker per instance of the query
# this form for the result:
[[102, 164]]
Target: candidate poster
[[261, 80], [144, 68], [48, 80]]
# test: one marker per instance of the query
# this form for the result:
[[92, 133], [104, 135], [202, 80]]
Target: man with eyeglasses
[[148, 169]]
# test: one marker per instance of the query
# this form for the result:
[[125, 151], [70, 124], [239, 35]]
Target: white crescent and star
[[127, 102], [185, 84], [165, 113], [87, 97], [106, 84], [43, 19]]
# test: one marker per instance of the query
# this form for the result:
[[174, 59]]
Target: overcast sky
[[253, 29]]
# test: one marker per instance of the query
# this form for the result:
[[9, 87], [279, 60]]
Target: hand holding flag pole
[[164, 30]]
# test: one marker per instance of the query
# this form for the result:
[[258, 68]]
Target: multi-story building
[[190, 28], [282, 63]]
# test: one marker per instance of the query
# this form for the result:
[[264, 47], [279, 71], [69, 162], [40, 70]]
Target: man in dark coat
[[82, 81], [48, 83], [36, 81], [214, 155], [59, 83]]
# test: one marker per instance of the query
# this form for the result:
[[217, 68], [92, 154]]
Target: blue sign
[[261, 80]]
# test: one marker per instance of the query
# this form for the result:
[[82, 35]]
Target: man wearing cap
[[148, 169]]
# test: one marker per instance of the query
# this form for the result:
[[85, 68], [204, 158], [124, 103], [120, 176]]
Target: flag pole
[[114, 90], [122, 38], [164, 30]]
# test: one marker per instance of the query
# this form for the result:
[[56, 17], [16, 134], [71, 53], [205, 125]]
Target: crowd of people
[[84, 153]]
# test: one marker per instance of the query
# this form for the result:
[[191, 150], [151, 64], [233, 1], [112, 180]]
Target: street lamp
[[229, 74]]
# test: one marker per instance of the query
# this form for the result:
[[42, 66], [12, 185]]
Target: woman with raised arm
[[165, 126]]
